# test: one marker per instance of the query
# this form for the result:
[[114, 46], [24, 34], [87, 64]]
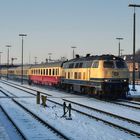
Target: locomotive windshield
[[121, 64], [114, 64], [108, 64]]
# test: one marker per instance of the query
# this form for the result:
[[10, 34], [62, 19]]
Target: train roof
[[86, 62], [96, 57], [51, 64]]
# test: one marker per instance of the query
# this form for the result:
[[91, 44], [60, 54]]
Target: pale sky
[[53, 26]]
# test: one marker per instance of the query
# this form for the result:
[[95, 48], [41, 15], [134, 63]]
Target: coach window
[[43, 71], [53, 72], [84, 76], [46, 71], [68, 75], [58, 71], [75, 75], [79, 75], [71, 75], [49, 71]]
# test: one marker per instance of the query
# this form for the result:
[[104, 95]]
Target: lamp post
[[49, 56], [8, 46], [35, 60], [119, 49], [73, 47], [22, 35], [0, 63], [134, 40]]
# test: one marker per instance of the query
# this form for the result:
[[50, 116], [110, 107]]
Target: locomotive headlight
[[106, 80], [125, 80]]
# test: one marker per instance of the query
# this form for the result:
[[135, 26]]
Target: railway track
[[91, 110], [132, 105], [31, 121], [128, 130]]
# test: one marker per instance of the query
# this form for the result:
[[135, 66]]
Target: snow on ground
[[136, 93], [7, 131], [80, 127], [3, 133]]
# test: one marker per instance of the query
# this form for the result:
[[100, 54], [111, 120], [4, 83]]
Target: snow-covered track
[[104, 112], [13, 123], [124, 104], [103, 119], [129, 102], [56, 134], [50, 127], [21, 87]]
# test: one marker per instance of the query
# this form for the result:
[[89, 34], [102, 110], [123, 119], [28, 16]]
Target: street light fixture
[[73, 47], [8, 46], [22, 35], [119, 50], [12, 60], [134, 40]]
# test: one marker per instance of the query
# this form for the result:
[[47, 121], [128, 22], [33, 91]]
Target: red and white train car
[[46, 74]]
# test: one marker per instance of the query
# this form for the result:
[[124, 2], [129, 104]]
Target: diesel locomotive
[[104, 76]]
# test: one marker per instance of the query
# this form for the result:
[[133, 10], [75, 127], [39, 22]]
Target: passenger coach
[[47, 74]]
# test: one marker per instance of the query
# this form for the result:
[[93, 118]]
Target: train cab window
[[121, 64], [80, 65], [71, 65], [95, 64], [108, 64], [77, 65]]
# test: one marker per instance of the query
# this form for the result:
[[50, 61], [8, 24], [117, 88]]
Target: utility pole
[[119, 49], [8, 46], [134, 42], [22, 35]]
